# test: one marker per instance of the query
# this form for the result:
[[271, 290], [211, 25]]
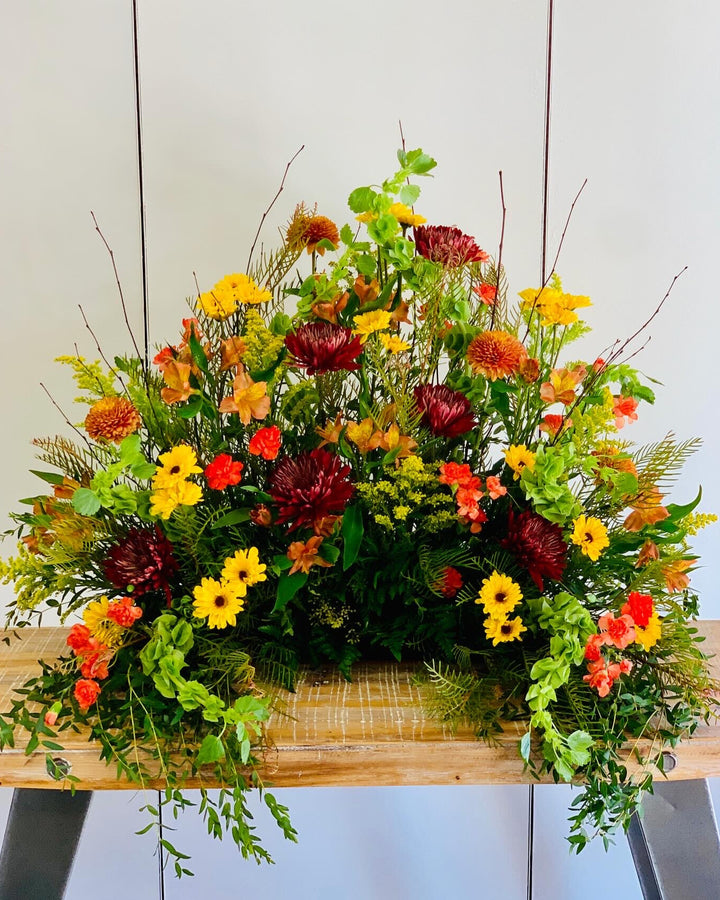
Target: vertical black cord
[[141, 186], [543, 277]]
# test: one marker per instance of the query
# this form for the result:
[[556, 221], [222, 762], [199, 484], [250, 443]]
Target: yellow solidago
[[262, 346], [519, 457], [90, 377], [695, 522], [501, 630], [651, 634], [499, 595], [370, 322], [590, 535]]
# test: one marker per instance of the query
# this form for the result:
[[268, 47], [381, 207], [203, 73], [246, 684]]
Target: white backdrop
[[229, 91]]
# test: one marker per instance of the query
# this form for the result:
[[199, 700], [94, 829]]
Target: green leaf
[[352, 533], [346, 235], [367, 265], [142, 469], [282, 562], [191, 408], [329, 552], [288, 586], [85, 502], [525, 746], [211, 750], [409, 194], [234, 517], [49, 477], [362, 199], [678, 512], [198, 354], [129, 449], [326, 244]]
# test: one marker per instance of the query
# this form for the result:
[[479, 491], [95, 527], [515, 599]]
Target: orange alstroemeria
[[401, 313], [330, 434], [674, 574], [231, 351], [393, 439], [646, 510], [177, 379], [648, 553], [304, 556], [249, 398], [329, 310], [562, 384], [366, 293], [364, 435]]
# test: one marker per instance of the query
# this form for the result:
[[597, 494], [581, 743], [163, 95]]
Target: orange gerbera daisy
[[495, 354], [112, 419]]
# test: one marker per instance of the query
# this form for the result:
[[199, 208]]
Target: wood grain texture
[[335, 733]]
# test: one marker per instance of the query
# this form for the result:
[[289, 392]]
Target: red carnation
[[323, 347], [123, 612], [223, 471], [447, 246], [142, 561], [445, 412], [450, 582], [86, 693], [266, 442], [537, 545], [79, 638], [310, 487], [639, 607]]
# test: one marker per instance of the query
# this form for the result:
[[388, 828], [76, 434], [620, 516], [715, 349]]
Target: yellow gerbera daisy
[[100, 627], [518, 457], [242, 289], [590, 535], [501, 630], [175, 466], [650, 634], [499, 595], [217, 601], [370, 322], [164, 502], [244, 569], [393, 343], [217, 304]]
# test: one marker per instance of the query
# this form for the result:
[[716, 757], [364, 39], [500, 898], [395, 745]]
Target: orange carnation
[[112, 419], [495, 354]]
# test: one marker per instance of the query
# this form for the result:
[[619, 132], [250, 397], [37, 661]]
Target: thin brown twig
[[120, 290], [67, 421], [402, 135], [274, 200], [99, 348], [548, 275], [498, 268]]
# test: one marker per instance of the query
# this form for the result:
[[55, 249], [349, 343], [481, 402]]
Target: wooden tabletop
[[336, 733]]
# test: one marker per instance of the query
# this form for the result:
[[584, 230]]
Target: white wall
[[229, 91]]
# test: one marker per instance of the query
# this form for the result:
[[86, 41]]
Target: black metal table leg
[[41, 837]]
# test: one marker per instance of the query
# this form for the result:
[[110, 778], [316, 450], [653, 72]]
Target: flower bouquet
[[386, 455]]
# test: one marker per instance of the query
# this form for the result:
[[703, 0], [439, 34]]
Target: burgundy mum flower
[[537, 545], [447, 246], [310, 487], [444, 411], [323, 347], [142, 560]]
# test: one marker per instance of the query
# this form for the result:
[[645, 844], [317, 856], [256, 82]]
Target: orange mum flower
[[495, 354], [306, 230], [112, 419]]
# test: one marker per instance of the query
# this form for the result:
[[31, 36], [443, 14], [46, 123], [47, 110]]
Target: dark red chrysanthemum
[[444, 411], [537, 545], [310, 487], [323, 347], [447, 246], [143, 561]]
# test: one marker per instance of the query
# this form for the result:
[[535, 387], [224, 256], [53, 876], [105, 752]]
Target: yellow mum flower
[[405, 215], [217, 304], [393, 343], [590, 535], [651, 633], [164, 502], [100, 627], [555, 307], [175, 466], [499, 595], [243, 570], [217, 601], [243, 289], [501, 630], [370, 322], [518, 457]]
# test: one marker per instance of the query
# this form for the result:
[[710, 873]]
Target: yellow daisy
[[242, 289], [590, 535], [243, 570], [370, 322], [393, 343], [175, 466], [405, 215], [499, 595], [217, 601], [650, 634], [105, 630], [164, 502], [217, 304], [518, 457], [501, 630], [555, 307]]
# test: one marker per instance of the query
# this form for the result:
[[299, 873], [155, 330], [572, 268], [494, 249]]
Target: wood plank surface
[[336, 733]]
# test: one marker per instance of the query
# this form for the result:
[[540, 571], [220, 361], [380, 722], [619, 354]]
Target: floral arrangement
[[406, 465]]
